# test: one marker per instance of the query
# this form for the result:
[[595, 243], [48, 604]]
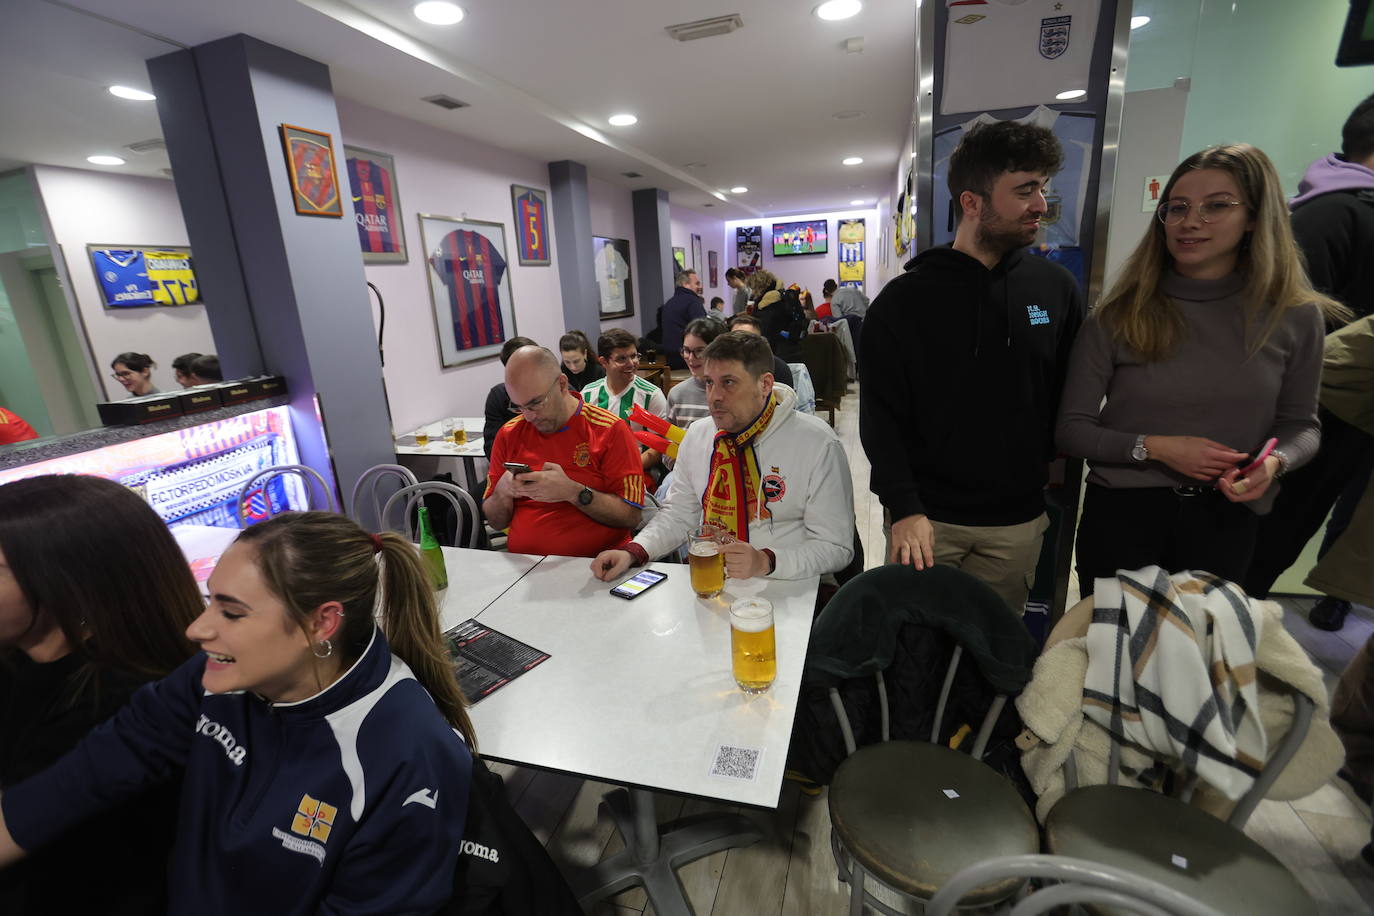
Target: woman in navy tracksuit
[[326, 759]]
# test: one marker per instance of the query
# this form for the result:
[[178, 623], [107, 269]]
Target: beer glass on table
[[460, 433], [422, 437], [706, 562], [753, 652]]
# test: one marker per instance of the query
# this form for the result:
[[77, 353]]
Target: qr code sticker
[[737, 762]]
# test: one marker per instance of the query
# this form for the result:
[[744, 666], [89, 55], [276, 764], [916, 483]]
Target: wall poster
[[749, 248], [697, 264], [851, 252], [310, 165], [680, 257], [531, 207], [469, 287], [613, 277], [713, 267], [376, 205]]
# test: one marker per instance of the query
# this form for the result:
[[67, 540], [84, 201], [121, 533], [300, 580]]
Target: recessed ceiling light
[[852, 160], [1138, 21], [739, 189], [622, 120], [856, 203], [438, 12], [104, 160], [835, 10], [133, 95], [1070, 94]]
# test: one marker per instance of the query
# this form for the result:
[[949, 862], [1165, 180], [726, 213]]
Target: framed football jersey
[[376, 205], [613, 277], [469, 286], [531, 208], [133, 276]]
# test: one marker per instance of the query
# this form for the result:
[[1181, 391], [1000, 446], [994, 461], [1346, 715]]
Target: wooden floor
[[791, 871]]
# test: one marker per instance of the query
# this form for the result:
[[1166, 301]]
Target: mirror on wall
[[93, 247]]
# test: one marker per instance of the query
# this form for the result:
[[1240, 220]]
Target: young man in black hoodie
[[962, 361]]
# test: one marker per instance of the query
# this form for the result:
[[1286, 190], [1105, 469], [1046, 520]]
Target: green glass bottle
[[431, 553]]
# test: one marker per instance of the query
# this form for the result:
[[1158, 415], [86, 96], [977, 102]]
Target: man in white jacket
[[776, 479]]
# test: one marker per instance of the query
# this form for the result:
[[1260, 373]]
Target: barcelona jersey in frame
[[372, 203], [471, 269]]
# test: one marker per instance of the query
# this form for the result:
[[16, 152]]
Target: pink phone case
[[1263, 454]]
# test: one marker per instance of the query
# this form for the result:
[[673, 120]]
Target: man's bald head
[[537, 387]]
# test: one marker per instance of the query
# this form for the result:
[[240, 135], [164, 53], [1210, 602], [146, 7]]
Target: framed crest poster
[[613, 277], [376, 205], [531, 207], [469, 287], [310, 164]]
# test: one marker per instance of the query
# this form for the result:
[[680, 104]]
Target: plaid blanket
[[1171, 669]]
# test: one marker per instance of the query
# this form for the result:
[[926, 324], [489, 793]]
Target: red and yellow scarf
[[732, 488]]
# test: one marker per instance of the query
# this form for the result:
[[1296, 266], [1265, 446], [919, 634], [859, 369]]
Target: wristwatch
[[584, 498], [1283, 462], [1139, 452]]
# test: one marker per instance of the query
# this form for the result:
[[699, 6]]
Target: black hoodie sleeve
[[884, 409]]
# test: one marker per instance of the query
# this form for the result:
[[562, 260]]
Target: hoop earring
[[328, 649]]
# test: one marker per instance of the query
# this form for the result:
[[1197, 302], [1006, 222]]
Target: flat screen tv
[[1357, 40], [806, 237]]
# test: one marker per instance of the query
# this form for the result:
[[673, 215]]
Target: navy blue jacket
[[678, 312], [352, 801]]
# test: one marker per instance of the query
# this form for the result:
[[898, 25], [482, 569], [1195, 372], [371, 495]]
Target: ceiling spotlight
[[438, 12], [622, 120], [852, 160], [1071, 94], [739, 189], [104, 160], [856, 203], [1138, 21], [133, 95], [835, 10]]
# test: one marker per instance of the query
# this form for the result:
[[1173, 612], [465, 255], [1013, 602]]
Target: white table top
[[439, 448], [476, 578], [640, 692]]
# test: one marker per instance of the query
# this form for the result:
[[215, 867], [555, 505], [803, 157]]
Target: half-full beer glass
[[706, 562], [753, 653]]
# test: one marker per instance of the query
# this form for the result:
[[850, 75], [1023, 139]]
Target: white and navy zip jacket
[[350, 802]]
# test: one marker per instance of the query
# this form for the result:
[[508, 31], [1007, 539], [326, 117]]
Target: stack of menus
[[487, 660]]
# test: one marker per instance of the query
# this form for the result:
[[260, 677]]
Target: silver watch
[[1139, 452], [1283, 463]]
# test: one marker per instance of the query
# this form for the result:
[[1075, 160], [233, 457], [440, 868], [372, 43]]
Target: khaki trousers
[[1003, 556]]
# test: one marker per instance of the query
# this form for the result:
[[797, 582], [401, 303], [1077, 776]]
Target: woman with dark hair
[[321, 733], [578, 364], [1208, 345], [135, 372], [181, 366], [95, 598]]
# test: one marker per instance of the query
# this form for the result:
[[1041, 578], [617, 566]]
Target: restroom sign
[[1154, 193]]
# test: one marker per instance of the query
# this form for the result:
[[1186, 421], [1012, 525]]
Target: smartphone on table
[[638, 584]]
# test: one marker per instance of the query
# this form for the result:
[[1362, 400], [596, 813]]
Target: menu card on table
[[487, 660]]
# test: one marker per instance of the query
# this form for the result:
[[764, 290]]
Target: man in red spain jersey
[[585, 488], [471, 268]]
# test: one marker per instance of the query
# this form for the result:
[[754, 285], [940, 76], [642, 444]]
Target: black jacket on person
[[579, 380], [678, 312], [114, 862], [1336, 234], [497, 413], [961, 371]]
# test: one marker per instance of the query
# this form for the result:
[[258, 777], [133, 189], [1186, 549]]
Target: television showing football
[[799, 238]]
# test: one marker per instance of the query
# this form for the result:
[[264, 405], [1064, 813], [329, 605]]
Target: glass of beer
[[460, 433], [753, 653], [706, 562], [422, 437]]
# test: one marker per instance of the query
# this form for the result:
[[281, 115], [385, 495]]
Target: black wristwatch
[[584, 498]]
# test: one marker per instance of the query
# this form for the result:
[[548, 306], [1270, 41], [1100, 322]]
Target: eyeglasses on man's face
[[534, 405], [1173, 212]]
